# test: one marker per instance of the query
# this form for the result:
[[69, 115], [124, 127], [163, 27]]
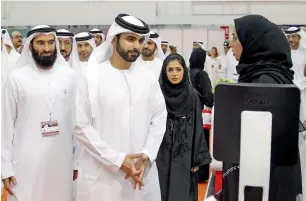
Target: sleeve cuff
[[146, 152], [119, 160], [76, 165], [6, 173]]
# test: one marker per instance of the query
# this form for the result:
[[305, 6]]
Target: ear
[[31, 47], [114, 42]]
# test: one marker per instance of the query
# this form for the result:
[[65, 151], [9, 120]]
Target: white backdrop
[[199, 12], [183, 38]]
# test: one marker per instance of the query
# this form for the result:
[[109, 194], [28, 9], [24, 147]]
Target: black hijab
[[196, 63], [266, 50], [179, 97]]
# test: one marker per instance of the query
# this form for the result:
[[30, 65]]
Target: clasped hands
[[134, 166]]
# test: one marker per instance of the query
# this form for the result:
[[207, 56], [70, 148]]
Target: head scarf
[[165, 42], [63, 33], [159, 52], [74, 54], [196, 63], [26, 55], [266, 50], [300, 32], [200, 43], [99, 32], [123, 24], [6, 41], [179, 97]]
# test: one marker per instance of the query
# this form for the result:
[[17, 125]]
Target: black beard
[[148, 53], [124, 54], [44, 61]]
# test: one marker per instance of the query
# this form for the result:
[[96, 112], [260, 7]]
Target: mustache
[[133, 51], [47, 52]]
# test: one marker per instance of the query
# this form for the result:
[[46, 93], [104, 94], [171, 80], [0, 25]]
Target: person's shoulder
[[142, 69], [159, 60], [302, 50], [265, 79], [202, 75], [19, 73], [66, 69]]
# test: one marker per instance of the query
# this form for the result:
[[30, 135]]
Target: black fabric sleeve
[[201, 153], [205, 89]]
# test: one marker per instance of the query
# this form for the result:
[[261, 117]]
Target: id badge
[[49, 128]]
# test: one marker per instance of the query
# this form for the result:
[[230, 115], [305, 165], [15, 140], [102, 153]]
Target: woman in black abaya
[[264, 56], [201, 82], [184, 148]]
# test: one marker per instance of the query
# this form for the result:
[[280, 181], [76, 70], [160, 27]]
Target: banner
[[226, 32]]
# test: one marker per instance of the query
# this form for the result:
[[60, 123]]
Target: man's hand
[[140, 165], [129, 168], [7, 184], [75, 174]]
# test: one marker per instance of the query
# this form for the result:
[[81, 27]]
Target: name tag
[[49, 128]]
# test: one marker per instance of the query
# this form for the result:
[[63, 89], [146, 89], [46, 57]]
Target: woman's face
[[236, 46], [175, 72], [213, 52]]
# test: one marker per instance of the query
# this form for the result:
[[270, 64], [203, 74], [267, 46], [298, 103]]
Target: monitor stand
[[255, 152]]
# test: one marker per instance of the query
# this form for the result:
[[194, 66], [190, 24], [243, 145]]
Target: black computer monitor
[[283, 101]]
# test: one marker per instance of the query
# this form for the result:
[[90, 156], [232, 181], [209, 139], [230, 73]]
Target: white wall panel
[[191, 35], [216, 39], [174, 37], [73, 12]]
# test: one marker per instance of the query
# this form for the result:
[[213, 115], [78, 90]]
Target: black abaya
[[184, 145]]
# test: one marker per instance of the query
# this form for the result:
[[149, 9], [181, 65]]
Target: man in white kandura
[[37, 162], [126, 102], [152, 55], [297, 40], [65, 39], [165, 47], [83, 46], [98, 36], [9, 56]]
